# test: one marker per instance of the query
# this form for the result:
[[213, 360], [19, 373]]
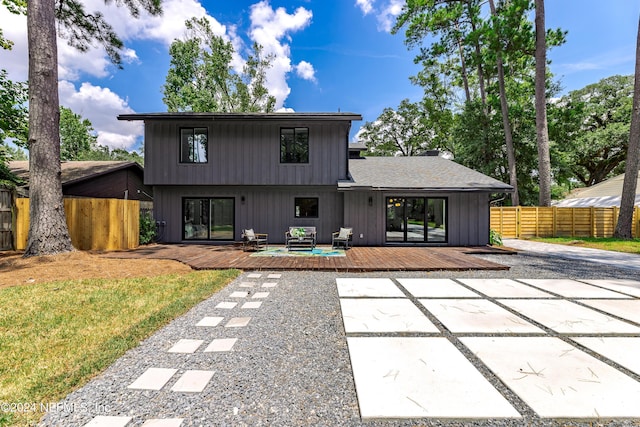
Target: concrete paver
[[558, 380], [567, 317], [409, 377], [504, 288], [421, 377], [383, 315], [367, 287], [436, 288], [622, 350], [573, 289], [477, 316], [628, 287]]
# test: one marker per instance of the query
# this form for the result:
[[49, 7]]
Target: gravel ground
[[290, 366]]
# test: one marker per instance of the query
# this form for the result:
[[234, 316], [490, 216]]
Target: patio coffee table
[[301, 243]]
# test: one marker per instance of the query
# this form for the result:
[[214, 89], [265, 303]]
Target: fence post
[[592, 228], [518, 226]]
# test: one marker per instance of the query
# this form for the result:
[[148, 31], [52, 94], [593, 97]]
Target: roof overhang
[[242, 116], [350, 186]]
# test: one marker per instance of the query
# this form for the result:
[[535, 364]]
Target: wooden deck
[[209, 257]]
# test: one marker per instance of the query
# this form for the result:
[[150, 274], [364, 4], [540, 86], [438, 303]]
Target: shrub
[[147, 228], [495, 239]]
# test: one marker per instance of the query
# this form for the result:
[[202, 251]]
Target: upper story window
[[193, 145], [294, 145]]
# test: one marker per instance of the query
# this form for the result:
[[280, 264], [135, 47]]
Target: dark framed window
[[294, 145], [306, 207], [194, 145]]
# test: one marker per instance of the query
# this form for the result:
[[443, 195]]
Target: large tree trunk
[[48, 232], [542, 132], [463, 68], [625, 217], [478, 59], [506, 124]]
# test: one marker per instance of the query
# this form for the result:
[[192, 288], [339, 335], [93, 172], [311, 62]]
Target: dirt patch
[[16, 270]]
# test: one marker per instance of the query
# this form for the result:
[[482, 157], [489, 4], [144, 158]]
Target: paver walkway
[[610, 258], [493, 348], [419, 349]]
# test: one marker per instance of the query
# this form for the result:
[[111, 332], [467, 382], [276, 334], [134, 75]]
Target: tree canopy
[[478, 62], [201, 77]]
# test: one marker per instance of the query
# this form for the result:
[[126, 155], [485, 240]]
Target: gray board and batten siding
[[266, 210], [244, 170], [246, 152], [243, 163]]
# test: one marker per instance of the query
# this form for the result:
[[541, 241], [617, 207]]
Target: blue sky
[[330, 55]]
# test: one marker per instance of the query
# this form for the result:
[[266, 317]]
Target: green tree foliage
[[591, 125], [13, 110], [407, 131], [476, 55], [201, 77], [78, 141], [77, 136]]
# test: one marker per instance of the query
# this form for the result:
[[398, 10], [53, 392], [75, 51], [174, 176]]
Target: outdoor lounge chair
[[250, 239], [342, 237]]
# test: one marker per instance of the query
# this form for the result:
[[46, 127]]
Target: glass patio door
[[221, 226], [405, 219], [208, 219], [416, 220]]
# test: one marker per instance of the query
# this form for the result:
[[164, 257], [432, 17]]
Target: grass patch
[[56, 336], [608, 244]]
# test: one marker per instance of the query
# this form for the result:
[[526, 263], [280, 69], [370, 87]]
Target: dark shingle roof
[[76, 170], [429, 173]]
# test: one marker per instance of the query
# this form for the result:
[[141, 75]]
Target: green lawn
[[56, 336], [609, 244]]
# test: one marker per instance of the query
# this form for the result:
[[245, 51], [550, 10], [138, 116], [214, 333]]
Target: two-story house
[[214, 174]]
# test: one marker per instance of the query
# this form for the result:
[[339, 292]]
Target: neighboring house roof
[[76, 170], [604, 194], [431, 173]]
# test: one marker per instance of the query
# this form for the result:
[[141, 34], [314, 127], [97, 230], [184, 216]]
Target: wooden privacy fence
[[94, 224], [526, 222]]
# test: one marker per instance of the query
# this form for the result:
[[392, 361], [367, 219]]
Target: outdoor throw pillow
[[344, 233], [250, 235]]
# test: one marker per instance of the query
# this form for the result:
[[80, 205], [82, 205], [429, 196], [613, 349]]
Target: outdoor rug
[[283, 252]]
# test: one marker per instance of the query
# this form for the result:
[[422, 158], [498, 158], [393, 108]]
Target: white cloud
[[101, 106], [164, 28], [268, 28], [306, 71], [365, 5], [387, 15], [385, 11], [16, 60], [271, 28]]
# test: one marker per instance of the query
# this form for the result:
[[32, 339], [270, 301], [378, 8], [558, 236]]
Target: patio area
[[356, 259]]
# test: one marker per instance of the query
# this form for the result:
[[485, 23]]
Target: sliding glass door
[[208, 218], [416, 220]]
